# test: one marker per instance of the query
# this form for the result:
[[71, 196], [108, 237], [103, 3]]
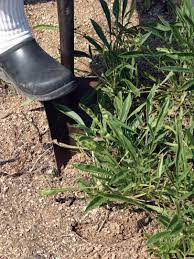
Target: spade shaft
[[57, 122]]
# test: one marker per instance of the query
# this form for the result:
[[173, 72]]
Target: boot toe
[[35, 73]]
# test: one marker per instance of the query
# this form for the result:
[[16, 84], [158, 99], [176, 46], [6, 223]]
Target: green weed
[[141, 136]]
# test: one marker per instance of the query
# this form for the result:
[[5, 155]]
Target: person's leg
[[13, 24], [22, 61]]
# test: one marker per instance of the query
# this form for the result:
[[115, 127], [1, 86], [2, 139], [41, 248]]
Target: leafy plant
[[141, 140], [108, 45]]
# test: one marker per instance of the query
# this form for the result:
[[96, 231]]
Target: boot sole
[[64, 90]]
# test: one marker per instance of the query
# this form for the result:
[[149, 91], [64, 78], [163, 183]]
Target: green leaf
[[94, 43], [179, 137], [120, 197], [121, 176], [125, 108], [125, 142], [46, 26], [100, 33], [133, 54], [145, 37], [131, 87], [124, 125], [48, 192], [107, 13], [188, 86], [95, 203], [162, 27], [173, 222], [190, 138], [124, 8], [85, 187], [118, 103], [137, 110], [157, 209], [116, 9], [81, 54], [91, 169], [163, 219], [178, 69], [156, 237], [160, 167], [175, 226], [163, 111], [130, 13], [177, 229], [185, 56], [153, 30], [70, 113], [149, 101]]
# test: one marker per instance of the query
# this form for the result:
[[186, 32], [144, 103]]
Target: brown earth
[[35, 227]]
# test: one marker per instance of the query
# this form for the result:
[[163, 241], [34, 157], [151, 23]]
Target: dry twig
[[38, 159], [104, 221]]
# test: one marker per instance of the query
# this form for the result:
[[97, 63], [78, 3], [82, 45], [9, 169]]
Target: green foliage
[[147, 4], [117, 21], [141, 136], [118, 38], [45, 26], [68, 112]]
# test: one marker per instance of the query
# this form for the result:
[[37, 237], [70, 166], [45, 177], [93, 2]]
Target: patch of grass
[[141, 137]]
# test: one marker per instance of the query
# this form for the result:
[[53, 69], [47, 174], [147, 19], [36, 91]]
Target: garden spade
[[59, 124]]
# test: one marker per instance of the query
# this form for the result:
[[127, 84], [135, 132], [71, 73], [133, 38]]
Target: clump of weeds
[[140, 139]]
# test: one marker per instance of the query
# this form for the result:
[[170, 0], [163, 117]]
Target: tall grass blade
[[70, 113], [91, 169], [54, 191], [100, 33], [162, 114], [156, 237], [94, 43], [125, 108], [178, 69], [95, 203], [107, 14], [116, 9], [124, 8], [131, 87]]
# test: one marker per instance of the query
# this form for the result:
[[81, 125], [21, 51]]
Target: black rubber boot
[[34, 73]]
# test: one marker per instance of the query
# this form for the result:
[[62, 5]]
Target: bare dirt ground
[[35, 227]]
